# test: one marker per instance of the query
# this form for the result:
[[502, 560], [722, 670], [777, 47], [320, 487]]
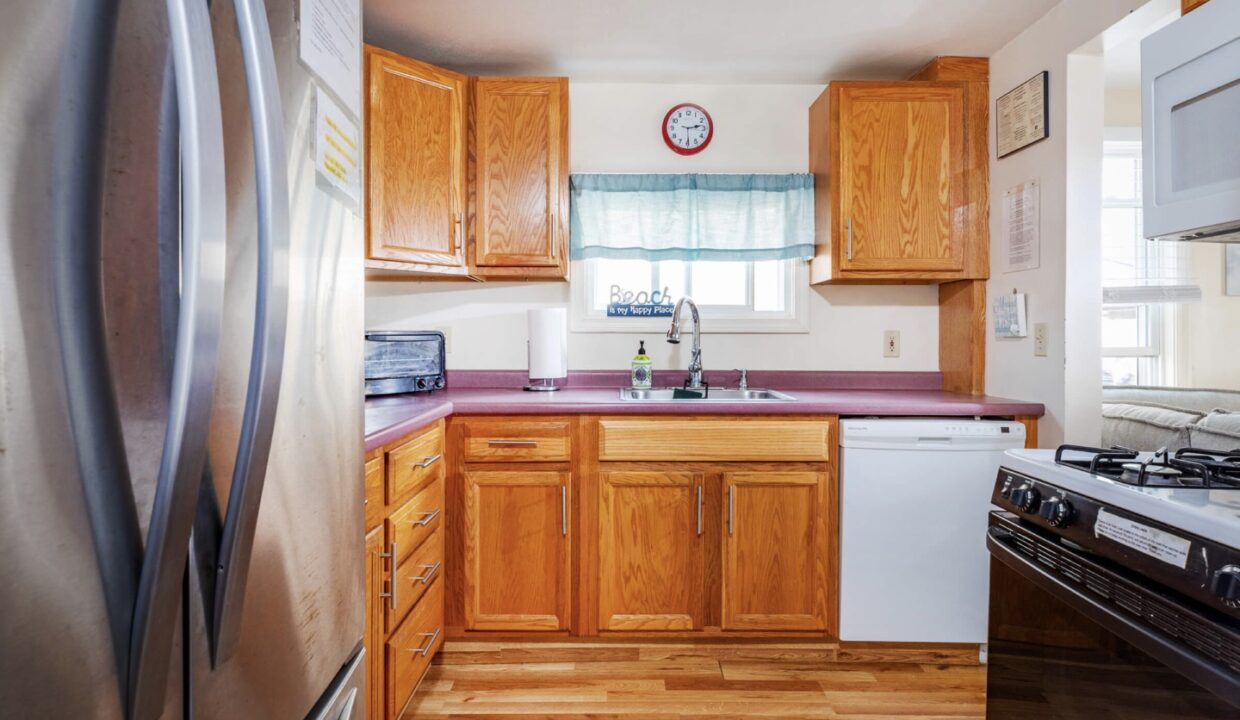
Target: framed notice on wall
[[1021, 115]]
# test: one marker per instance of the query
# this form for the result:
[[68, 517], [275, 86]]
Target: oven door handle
[[1214, 678]]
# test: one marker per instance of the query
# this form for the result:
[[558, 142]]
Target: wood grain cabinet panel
[[410, 649], [414, 462], [775, 550], [374, 502], [732, 439], [893, 181], [517, 549], [520, 177], [516, 440], [376, 578], [650, 550], [415, 165]]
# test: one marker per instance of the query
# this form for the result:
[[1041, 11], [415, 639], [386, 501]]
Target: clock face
[[687, 129]]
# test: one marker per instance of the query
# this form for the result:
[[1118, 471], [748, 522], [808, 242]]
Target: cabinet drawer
[[409, 526], [374, 492], [760, 439], [411, 464], [410, 649], [412, 578], [516, 441]]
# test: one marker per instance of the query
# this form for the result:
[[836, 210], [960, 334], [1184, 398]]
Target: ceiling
[[708, 41]]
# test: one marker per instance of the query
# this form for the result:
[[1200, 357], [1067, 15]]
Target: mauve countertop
[[597, 392]]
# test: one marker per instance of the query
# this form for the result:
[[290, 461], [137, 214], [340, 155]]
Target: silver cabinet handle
[[427, 517], [430, 573], [500, 442], [270, 324], [429, 461], [564, 510], [203, 232], [699, 509], [731, 505], [460, 230], [850, 238], [391, 578], [430, 643]]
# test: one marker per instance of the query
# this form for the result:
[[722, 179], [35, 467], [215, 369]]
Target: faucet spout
[[673, 336]]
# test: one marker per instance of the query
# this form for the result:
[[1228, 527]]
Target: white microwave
[[1190, 113]]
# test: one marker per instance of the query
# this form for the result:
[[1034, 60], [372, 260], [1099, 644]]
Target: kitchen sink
[[713, 395]]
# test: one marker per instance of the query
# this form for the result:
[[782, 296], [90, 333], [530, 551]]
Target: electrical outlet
[[1041, 337], [891, 343]]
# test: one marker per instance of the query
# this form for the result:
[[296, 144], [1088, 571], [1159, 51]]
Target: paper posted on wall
[[1021, 227], [1011, 318]]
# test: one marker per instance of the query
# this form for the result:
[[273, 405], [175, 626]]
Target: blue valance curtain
[[692, 217]]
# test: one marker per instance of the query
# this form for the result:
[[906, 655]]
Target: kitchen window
[[736, 244], [1144, 282]]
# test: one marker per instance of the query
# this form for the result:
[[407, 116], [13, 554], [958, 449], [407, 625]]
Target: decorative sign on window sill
[[641, 304], [1021, 115]]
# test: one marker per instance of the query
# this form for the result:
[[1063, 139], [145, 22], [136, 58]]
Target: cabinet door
[[376, 579], [521, 176], [415, 162], [775, 550], [902, 170], [650, 550], [517, 556]]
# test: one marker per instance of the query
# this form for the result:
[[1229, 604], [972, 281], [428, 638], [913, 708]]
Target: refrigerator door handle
[[270, 326], [76, 284], [194, 365]]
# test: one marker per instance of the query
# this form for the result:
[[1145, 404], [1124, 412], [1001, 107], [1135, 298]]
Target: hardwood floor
[[699, 680]]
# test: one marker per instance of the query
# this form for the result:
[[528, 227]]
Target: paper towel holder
[[547, 348]]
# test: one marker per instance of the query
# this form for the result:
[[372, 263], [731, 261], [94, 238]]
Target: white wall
[[1062, 292], [1212, 324], [616, 128]]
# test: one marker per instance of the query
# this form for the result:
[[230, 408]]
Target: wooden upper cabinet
[[517, 561], [415, 165], [893, 197], [651, 555], [520, 177], [775, 550]]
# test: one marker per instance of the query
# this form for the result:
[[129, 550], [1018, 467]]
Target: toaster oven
[[401, 361]]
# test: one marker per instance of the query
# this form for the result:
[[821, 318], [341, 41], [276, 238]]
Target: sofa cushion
[[1193, 400], [1146, 426], [1220, 430]]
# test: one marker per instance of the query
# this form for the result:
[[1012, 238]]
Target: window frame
[[794, 318]]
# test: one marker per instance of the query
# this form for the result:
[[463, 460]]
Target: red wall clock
[[688, 129]]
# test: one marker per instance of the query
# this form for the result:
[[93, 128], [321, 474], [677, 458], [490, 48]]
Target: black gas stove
[[1115, 574]]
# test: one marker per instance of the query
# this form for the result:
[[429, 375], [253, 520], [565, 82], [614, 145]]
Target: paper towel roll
[[548, 343]]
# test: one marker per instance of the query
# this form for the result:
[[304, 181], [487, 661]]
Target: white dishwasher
[[913, 513]]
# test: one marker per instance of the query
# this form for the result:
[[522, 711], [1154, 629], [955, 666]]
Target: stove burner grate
[[1186, 468]]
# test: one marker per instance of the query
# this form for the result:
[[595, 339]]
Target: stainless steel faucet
[[673, 337]]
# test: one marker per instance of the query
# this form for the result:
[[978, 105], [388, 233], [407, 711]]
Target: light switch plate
[[891, 343], [1041, 337]]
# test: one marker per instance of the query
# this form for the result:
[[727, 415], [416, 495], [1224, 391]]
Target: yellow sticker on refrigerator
[[337, 158], [1158, 544]]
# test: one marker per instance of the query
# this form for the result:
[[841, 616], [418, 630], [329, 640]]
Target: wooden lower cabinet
[[516, 549], [404, 568], [775, 550], [651, 557]]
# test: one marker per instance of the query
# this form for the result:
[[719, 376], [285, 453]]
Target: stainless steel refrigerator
[[180, 369]]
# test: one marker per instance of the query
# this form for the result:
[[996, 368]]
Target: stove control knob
[[1025, 498], [1226, 584], [1057, 511]]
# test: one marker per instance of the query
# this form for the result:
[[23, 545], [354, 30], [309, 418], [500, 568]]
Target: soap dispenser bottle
[[643, 368]]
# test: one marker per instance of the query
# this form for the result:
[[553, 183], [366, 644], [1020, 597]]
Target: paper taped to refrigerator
[[337, 147], [331, 46]]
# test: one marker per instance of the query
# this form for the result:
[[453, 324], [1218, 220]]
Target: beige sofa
[[1148, 418]]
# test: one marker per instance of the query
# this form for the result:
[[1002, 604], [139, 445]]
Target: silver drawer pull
[[430, 643], [427, 517], [512, 443], [430, 573], [391, 596], [429, 461]]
